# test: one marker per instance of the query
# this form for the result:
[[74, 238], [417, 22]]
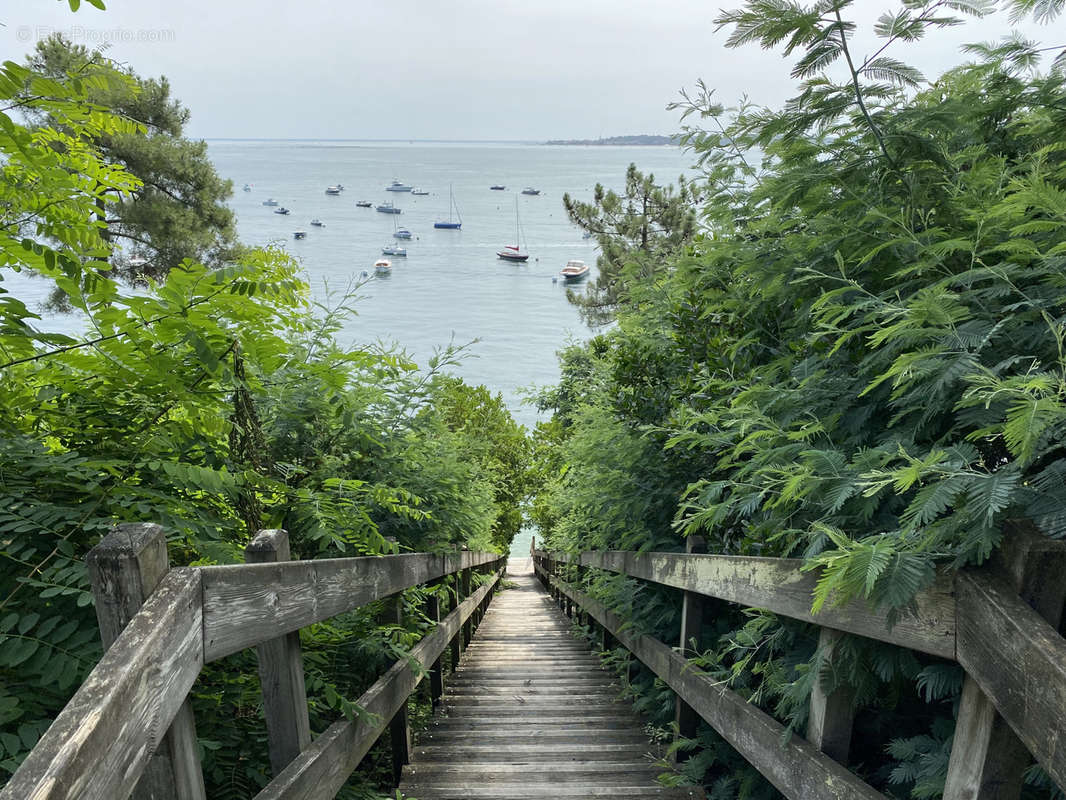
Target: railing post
[[468, 628], [399, 729], [124, 569], [685, 716], [457, 640], [281, 669], [832, 715], [987, 759], [436, 672]]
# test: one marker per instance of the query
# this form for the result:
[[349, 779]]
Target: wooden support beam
[[399, 726], [436, 672], [832, 714], [1011, 667], [124, 569], [688, 721], [468, 626], [281, 669], [456, 644]]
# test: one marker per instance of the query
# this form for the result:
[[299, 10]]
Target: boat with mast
[[451, 224], [514, 252]]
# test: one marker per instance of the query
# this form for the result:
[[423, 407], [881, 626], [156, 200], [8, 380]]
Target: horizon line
[[430, 141]]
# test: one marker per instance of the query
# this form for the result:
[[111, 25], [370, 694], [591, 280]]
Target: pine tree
[[179, 211]]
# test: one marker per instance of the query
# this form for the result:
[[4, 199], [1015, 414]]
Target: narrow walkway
[[531, 714]]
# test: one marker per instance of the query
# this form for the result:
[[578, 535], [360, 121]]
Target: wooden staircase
[[531, 714]]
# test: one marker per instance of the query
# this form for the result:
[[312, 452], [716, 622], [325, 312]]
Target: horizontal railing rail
[[129, 727], [247, 604], [782, 586], [999, 622]]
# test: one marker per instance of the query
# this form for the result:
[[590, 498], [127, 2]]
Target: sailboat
[[514, 252], [450, 224]]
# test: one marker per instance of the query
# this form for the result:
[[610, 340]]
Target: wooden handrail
[[780, 585], [102, 741], [247, 604]]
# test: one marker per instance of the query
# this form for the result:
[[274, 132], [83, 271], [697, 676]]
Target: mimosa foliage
[[859, 363]]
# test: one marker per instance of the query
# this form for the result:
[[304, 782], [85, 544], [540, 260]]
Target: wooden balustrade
[[128, 729], [1000, 622]]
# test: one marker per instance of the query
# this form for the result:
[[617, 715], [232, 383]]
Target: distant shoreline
[[611, 141], [628, 141]]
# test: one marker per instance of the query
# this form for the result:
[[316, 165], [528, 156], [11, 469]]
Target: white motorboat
[[575, 270], [396, 186], [382, 266]]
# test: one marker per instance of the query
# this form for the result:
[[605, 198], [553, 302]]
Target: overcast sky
[[443, 69]]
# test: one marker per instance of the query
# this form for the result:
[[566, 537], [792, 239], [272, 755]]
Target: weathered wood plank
[[281, 669], [99, 745], [321, 770], [1018, 661], [247, 604], [795, 767], [780, 585]]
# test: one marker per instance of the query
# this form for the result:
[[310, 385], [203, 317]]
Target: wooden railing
[[129, 728], [999, 622]]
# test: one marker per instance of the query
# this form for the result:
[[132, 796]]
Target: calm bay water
[[451, 287]]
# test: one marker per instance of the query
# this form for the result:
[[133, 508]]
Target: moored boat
[[247, 187], [497, 187], [451, 223], [397, 186], [419, 192], [530, 190], [281, 210], [363, 203], [382, 266], [394, 250], [402, 233], [388, 208], [270, 201], [299, 234], [575, 270], [513, 252], [334, 189], [318, 223]]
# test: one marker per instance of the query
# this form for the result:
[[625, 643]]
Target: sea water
[[451, 287]]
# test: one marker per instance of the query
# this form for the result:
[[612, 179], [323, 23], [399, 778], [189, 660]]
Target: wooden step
[[530, 713]]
